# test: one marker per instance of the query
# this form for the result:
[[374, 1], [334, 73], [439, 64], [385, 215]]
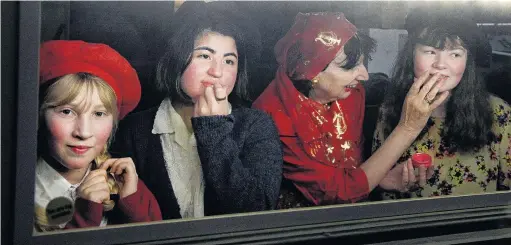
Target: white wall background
[[388, 43]]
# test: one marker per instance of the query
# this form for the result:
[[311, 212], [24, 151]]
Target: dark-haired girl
[[199, 151], [469, 134]]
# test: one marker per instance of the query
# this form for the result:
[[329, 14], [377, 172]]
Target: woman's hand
[[212, 102], [125, 174], [402, 178], [421, 100], [95, 187]]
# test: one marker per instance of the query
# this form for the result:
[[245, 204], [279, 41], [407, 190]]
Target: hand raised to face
[[212, 102], [421, 100]]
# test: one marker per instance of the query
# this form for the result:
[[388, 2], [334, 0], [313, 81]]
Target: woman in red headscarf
[[317, 103], [85, 89]]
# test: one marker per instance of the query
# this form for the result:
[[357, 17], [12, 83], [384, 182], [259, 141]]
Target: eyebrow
[[96, 107], [457, 47], [214, 52]]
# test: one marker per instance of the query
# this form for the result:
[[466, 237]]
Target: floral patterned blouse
[[486, 170]]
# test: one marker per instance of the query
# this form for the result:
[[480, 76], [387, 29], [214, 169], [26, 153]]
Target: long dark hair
[[468, 121]]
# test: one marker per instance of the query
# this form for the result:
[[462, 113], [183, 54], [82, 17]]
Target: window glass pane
[[333, 88]]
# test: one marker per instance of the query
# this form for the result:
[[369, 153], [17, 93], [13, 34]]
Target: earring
[[315, 81]]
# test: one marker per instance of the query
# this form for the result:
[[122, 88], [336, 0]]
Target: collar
[[51, 184], [168, 121], [165, 119]]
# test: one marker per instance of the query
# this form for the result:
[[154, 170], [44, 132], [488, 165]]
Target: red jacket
[[319, 183], [140, 206]]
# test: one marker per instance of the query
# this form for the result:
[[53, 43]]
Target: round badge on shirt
[[59, 210]]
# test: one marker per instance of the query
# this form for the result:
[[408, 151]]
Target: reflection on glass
[[85, 89], [198, 149]]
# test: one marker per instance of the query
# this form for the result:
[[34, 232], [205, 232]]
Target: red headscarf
[[328, 135]]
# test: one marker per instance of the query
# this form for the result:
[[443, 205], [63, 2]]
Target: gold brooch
[[329, 38]]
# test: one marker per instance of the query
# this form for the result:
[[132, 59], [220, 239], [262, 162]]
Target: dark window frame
[[263, 227]]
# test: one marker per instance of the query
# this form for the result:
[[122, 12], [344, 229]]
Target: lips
[[349, 87], [207, 83], [79, 149], [442, 76]]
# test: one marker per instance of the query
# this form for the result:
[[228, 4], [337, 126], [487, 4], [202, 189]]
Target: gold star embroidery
[[346, 145], [330, 149]]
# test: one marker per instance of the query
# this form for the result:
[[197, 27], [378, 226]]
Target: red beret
[[318, 36], [62, 57]]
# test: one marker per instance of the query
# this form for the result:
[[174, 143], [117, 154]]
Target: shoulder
[[138, 123], [499, 107], [501, 111], [268, 100], [141, 117], [250, 119], [251, 114], [497, 102]]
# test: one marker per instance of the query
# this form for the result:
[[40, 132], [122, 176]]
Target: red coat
[[140, 206], [320, 183]]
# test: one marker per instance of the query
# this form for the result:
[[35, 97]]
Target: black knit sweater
[[240, 154]]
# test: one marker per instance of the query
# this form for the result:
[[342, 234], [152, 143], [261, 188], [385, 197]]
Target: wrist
[[128, 191], [403, 129], [88, 198]]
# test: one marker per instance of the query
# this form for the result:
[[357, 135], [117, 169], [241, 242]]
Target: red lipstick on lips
[[350, 87], [79, 149]]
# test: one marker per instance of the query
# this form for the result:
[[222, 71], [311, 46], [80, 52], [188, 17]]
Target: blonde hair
[[63, 91], [66, 88]]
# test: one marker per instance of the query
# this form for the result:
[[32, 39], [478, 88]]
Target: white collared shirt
[[181, 160], [50, 184]]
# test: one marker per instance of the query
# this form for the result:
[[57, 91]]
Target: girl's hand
[[213, 102], [125, 174], [95, 187], [402, 177], [421, 100]]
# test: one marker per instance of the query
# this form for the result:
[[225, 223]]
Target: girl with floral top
[[85, 88], [469, 135]]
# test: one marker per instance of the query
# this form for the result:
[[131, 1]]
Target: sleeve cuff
[[87, 213], [135, 207], [355, 187]]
